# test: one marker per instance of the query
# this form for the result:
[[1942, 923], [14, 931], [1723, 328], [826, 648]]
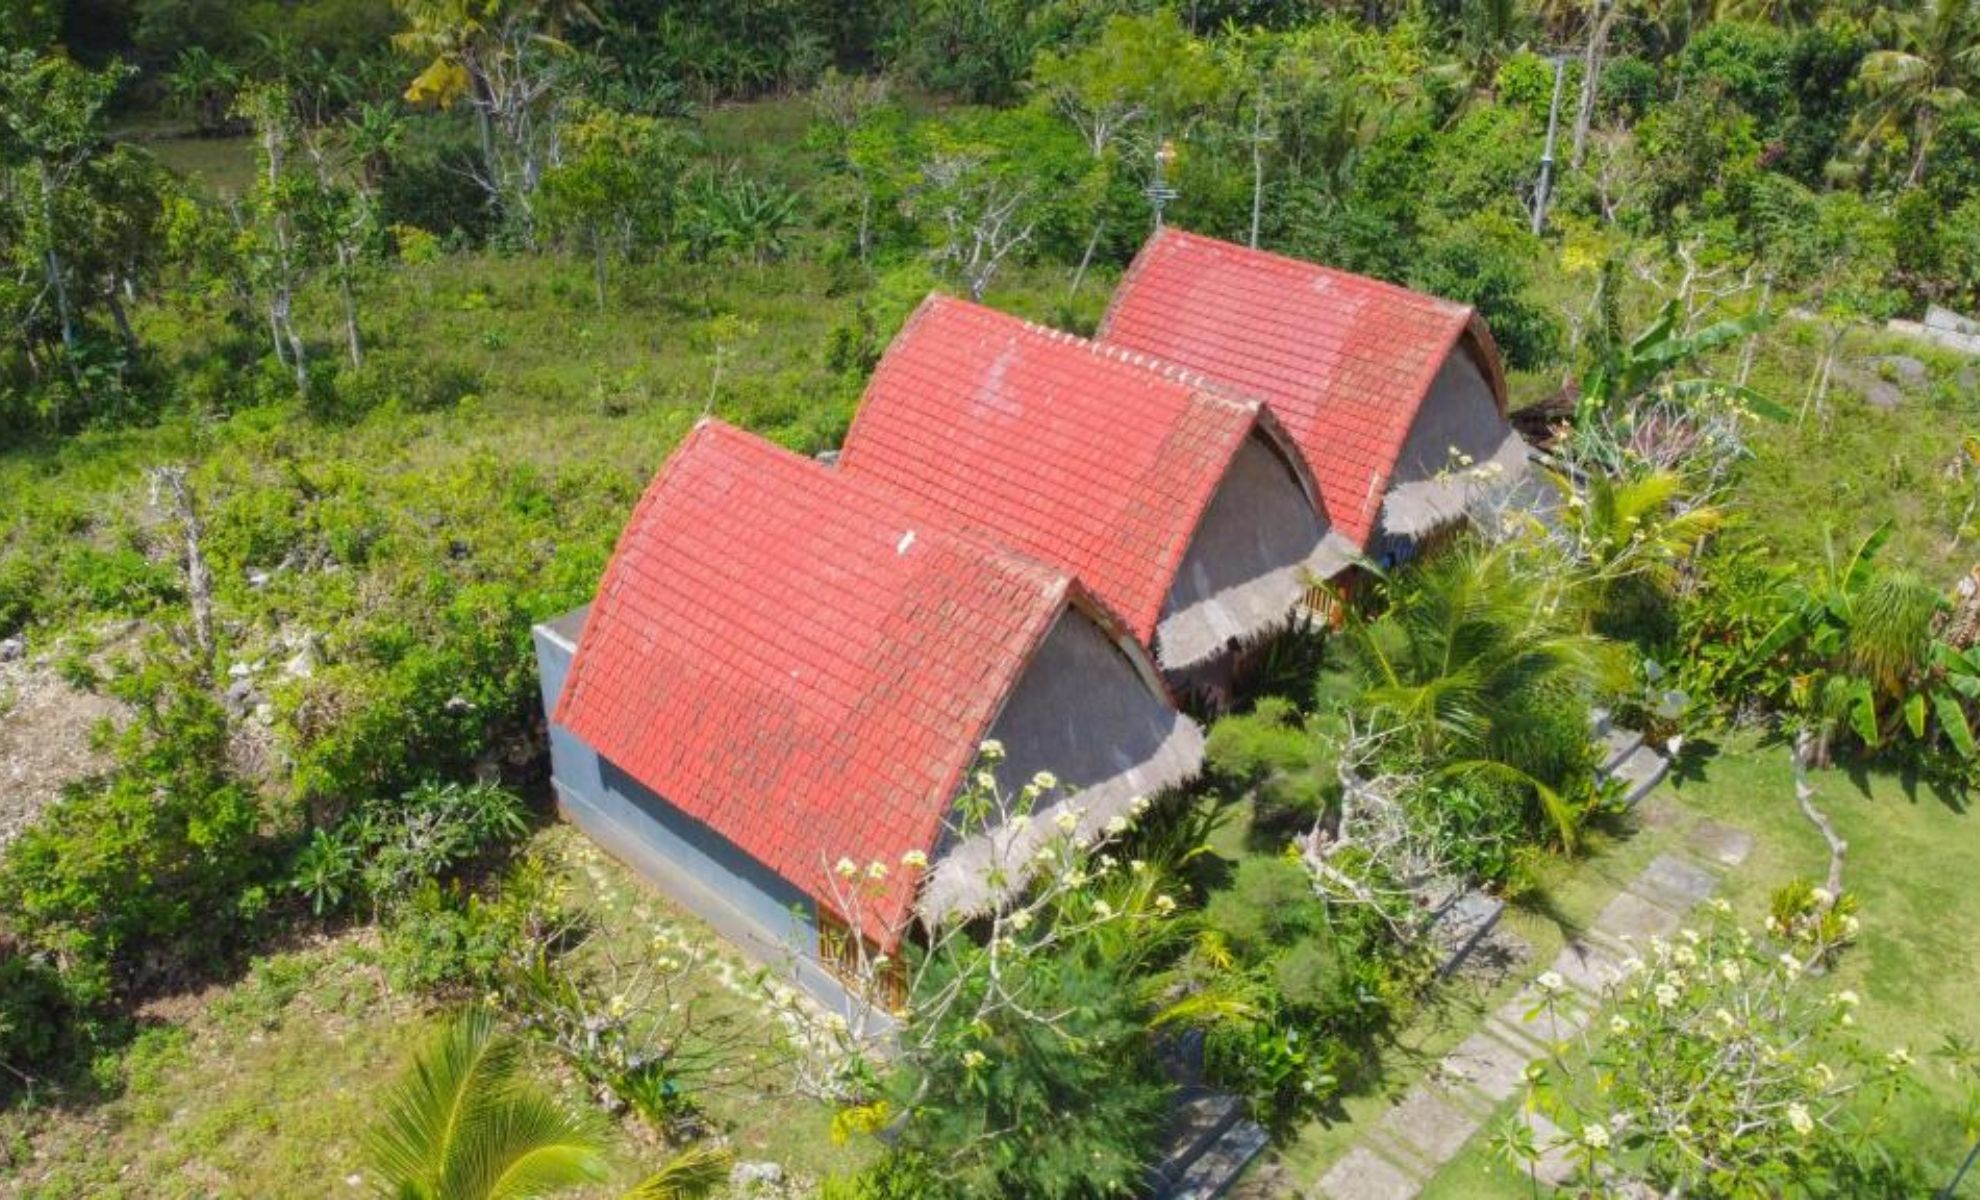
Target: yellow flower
[[972, 1059], [914, 859], [1799, 1120]]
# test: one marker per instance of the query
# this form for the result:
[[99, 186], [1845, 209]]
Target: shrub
[[155, 872], [443, 939], [1271, 752], [390, 849]]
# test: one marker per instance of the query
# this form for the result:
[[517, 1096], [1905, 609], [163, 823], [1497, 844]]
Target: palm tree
[[1633, 527], [1470, 664], [462, 1125], [1926, 73]]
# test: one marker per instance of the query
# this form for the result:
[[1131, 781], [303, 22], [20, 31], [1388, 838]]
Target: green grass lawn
[[1914, 859], [263, 1087]]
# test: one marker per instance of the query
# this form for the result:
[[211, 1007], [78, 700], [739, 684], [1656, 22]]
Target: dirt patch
[[45, 739]]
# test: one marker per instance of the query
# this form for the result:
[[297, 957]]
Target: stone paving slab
[[1427, 1122], [1491, 1066], [1548, 1026], [1362, 1175], [1587, 966], [1631, 916], [1677, 881], [1725, 844]]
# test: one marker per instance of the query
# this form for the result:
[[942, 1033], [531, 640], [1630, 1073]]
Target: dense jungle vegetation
[[344, 333]]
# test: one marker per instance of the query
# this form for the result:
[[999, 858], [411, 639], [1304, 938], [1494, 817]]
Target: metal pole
[[1547, 155], [1159, 191]]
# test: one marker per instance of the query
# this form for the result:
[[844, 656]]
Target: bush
[[155, 873], [444, 940], [387, 380], [389, 850], [1272, 753]]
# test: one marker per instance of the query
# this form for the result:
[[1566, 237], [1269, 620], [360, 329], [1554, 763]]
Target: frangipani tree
[[1721, 1065], [1020, 1061]]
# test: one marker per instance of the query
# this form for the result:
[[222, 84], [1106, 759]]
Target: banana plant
[[1871, 664], [1628, 371]]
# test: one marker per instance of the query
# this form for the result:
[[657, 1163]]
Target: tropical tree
[[613, 185], [1725, 1067], [52, 125], [1472, 666], [463, 1125], [1629, 528], [1869, 661], [1926, 73], [504, 59], [203, 87]]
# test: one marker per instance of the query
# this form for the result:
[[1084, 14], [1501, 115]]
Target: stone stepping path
[[1399, 1153]]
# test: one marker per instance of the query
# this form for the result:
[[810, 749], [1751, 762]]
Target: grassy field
[[263, 1087]]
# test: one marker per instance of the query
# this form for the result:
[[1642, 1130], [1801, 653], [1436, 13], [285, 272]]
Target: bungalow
[[1191, 514], [1397, 399], [786, 665]]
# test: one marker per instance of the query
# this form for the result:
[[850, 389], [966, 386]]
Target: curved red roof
[[1091, 459], [1344, 360], [785, 653]]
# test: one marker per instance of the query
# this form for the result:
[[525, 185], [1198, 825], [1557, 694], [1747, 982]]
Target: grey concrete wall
[[751, 906], [1429, 487], [1085, 713], [1245, 569]]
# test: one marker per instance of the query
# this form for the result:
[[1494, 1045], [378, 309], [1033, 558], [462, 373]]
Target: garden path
[[1398, 1154]]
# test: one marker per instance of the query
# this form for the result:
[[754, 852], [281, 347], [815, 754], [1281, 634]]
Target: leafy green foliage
[[462, 1125]]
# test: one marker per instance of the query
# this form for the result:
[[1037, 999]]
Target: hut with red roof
[[1397, 399], [1188, 512], [787, 665]]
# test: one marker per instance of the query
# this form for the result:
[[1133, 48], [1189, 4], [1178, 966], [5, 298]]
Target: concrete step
[[1219, 1166], [1462, 925], [1641, 771], [1615, 746], [1199, 1119]]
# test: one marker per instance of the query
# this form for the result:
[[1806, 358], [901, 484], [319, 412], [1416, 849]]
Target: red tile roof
[[1345, 361], [1090, 459], [783, 653]]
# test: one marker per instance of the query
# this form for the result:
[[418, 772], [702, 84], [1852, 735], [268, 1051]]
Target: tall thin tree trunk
[[1591, 76], [1917, 174], [1086, 259], [1753, 339], [199, 580], [1257, 162], [1545, 188], [115, 304], [58, 281], [349, 297], [598, 266]]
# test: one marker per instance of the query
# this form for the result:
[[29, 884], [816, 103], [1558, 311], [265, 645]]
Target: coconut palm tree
[[462, 1125], [1471, 665], [1929, 70], [1635, 527]]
